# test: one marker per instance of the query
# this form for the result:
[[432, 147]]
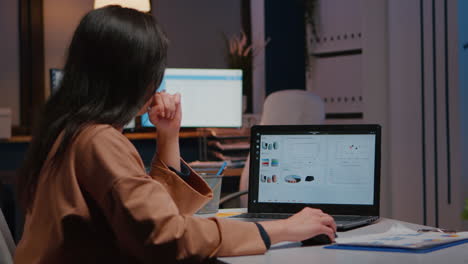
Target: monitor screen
[[210, 97], [56, 76], [131, 125], [317, 168]]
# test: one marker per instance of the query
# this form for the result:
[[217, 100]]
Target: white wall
[[258, 39], [375, 88], [424, 113], [355, 76], [405, 109], [195, 30], [462, 81], [338, 79], [61, 17], [10, 58], [406, 88]]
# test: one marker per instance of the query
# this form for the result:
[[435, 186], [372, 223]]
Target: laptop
[[335, 168]]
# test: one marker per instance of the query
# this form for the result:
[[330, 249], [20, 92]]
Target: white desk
[[291, 253]]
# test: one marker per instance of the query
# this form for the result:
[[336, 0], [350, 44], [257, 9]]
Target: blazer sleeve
[[189, 195], [142, 211]]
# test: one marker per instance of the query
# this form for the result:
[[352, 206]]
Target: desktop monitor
[[210, 97], [56, 76]]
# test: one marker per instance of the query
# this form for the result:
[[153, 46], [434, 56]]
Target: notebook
[[335, 168]]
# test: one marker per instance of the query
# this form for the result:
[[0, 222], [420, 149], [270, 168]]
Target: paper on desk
[[396, 228], [400, 236], [227, 214]]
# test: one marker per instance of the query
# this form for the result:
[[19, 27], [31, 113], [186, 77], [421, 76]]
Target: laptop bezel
[[333, 209]]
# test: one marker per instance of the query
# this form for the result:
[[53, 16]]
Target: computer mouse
[[321, 239]]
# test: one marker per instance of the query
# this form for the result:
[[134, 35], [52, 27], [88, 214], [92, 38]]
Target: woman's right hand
[[305, 224], [166, 113]]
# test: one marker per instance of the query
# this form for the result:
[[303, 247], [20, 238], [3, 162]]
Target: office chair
[[293, 107], [7, 245], [285, 107]]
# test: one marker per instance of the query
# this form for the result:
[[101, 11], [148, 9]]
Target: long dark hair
[[115, 60]]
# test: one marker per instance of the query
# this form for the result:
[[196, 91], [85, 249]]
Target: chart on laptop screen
[[317, 169]]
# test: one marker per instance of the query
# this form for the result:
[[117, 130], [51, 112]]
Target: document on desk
[[402, 239]]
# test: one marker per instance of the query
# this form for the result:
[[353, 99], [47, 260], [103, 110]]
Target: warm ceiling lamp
[[141, 5]]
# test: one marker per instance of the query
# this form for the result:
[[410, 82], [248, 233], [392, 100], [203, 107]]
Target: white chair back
[[293, 107], [287, 107]]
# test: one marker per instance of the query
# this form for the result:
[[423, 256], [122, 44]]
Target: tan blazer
[[100, 206]]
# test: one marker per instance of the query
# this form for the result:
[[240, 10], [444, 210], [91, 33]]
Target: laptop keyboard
[[347, 218], [338, 218], [262, 216]]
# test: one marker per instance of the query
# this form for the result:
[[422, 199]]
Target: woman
[[87, 196]]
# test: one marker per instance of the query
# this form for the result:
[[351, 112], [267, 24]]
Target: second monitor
[[210, 97]]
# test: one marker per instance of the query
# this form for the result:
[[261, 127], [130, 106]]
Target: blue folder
[[399, 250]]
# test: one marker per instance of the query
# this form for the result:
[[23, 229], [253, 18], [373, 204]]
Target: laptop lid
[[335, 168]]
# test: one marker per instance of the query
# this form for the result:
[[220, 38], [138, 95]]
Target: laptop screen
[[332, 167], [317, 168]]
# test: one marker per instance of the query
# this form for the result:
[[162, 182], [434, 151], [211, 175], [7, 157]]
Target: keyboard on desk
[[261, 216], [348, 218], [339, 219]]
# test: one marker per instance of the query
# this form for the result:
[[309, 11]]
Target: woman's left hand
[[166, 114]]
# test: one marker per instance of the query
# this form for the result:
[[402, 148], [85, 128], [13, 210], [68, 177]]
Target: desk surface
[[292, 253], [131, 136], [184, 133]]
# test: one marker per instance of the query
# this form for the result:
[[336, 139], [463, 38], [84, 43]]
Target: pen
[[221, 170]]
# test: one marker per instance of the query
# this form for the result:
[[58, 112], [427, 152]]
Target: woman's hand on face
[[165, 113]]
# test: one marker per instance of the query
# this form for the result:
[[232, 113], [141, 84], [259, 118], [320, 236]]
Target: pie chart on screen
[[292, 179]]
